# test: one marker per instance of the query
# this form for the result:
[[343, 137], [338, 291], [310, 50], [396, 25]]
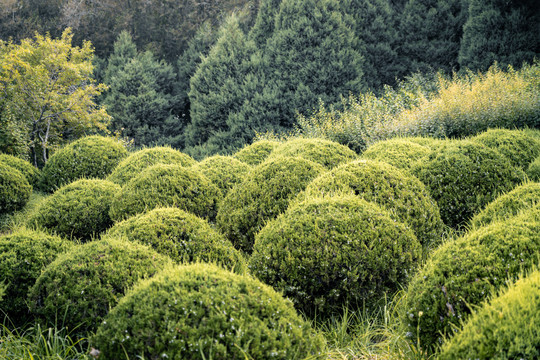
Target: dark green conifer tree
[[500, 30]]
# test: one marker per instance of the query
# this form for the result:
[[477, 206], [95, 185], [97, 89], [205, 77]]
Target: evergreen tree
[[430, 32], [499, 30], [141, 95], [264, 22]]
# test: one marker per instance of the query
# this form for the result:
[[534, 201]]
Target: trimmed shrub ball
[[201, 311], [81, 285], [14, 189], [463, 177], [23, 255], [265, 193], [327, 253], [398, 152], [135, 163], [223, 171], [508, 205], [325, 152], [28, 170], [182, 236], [505, 328], [79, 210], [166, 186], [257, 152], [88, 157], [429, 142], [396, 190], [463, 273], [533, 171], [520, 148]]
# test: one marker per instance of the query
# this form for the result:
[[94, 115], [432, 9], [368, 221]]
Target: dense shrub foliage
[[504, 328], [14, 189], [182, 236], [82, 285], [166, 185], [326, 253], [519, 147], [398, 191], [257, 152], [462, 273], [401, 153], [200, 311], [135, 163], [327, 153], [510, 204], [464, 176], [79, 210], [223, 171], [88, 157], [28, 170], [264, 194], [533, 172], [23, 255]]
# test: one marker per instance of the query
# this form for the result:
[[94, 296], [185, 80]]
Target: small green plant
[[201, 311], [504, 328], [80, 287], [89, 157], [28, 170], [327, 153], [166, 185], [14, 189], [182, 236], [265, 193], [462, 274], [223, 171], [400, 153], [256, 153], [23, 255], [508, 205], [519, 147], [397, 191], [331, 252], [135, 163], [533, 171], [463, 177], [78, 210]]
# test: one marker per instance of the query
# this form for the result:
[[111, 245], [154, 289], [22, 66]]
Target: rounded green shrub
[[135, 163], [533, 171], [429, 142], [28, 170], [23, 255], [325, 152], [265, 193], [505, 328], [331, 252], [81, 285], [400, 153], [163, 186], [201, 311], [89, 157], [462, 273], [257, 152], [14, 189], [182, 236], [79, 210], [520, 148], [508, 205], [388, 186], [463, 177], [223, 171]]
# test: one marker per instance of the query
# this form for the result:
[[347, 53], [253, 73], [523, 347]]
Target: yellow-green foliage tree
[[47, 94]]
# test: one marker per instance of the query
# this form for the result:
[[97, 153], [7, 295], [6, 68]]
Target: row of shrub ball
[[325, 227]]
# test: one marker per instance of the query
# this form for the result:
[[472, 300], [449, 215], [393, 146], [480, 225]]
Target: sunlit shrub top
[[398, 152], [201, 311], [28, 170], [88, 157], [223, 171], [257, 152], [14, 189], [136, 162], [533, 171]]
